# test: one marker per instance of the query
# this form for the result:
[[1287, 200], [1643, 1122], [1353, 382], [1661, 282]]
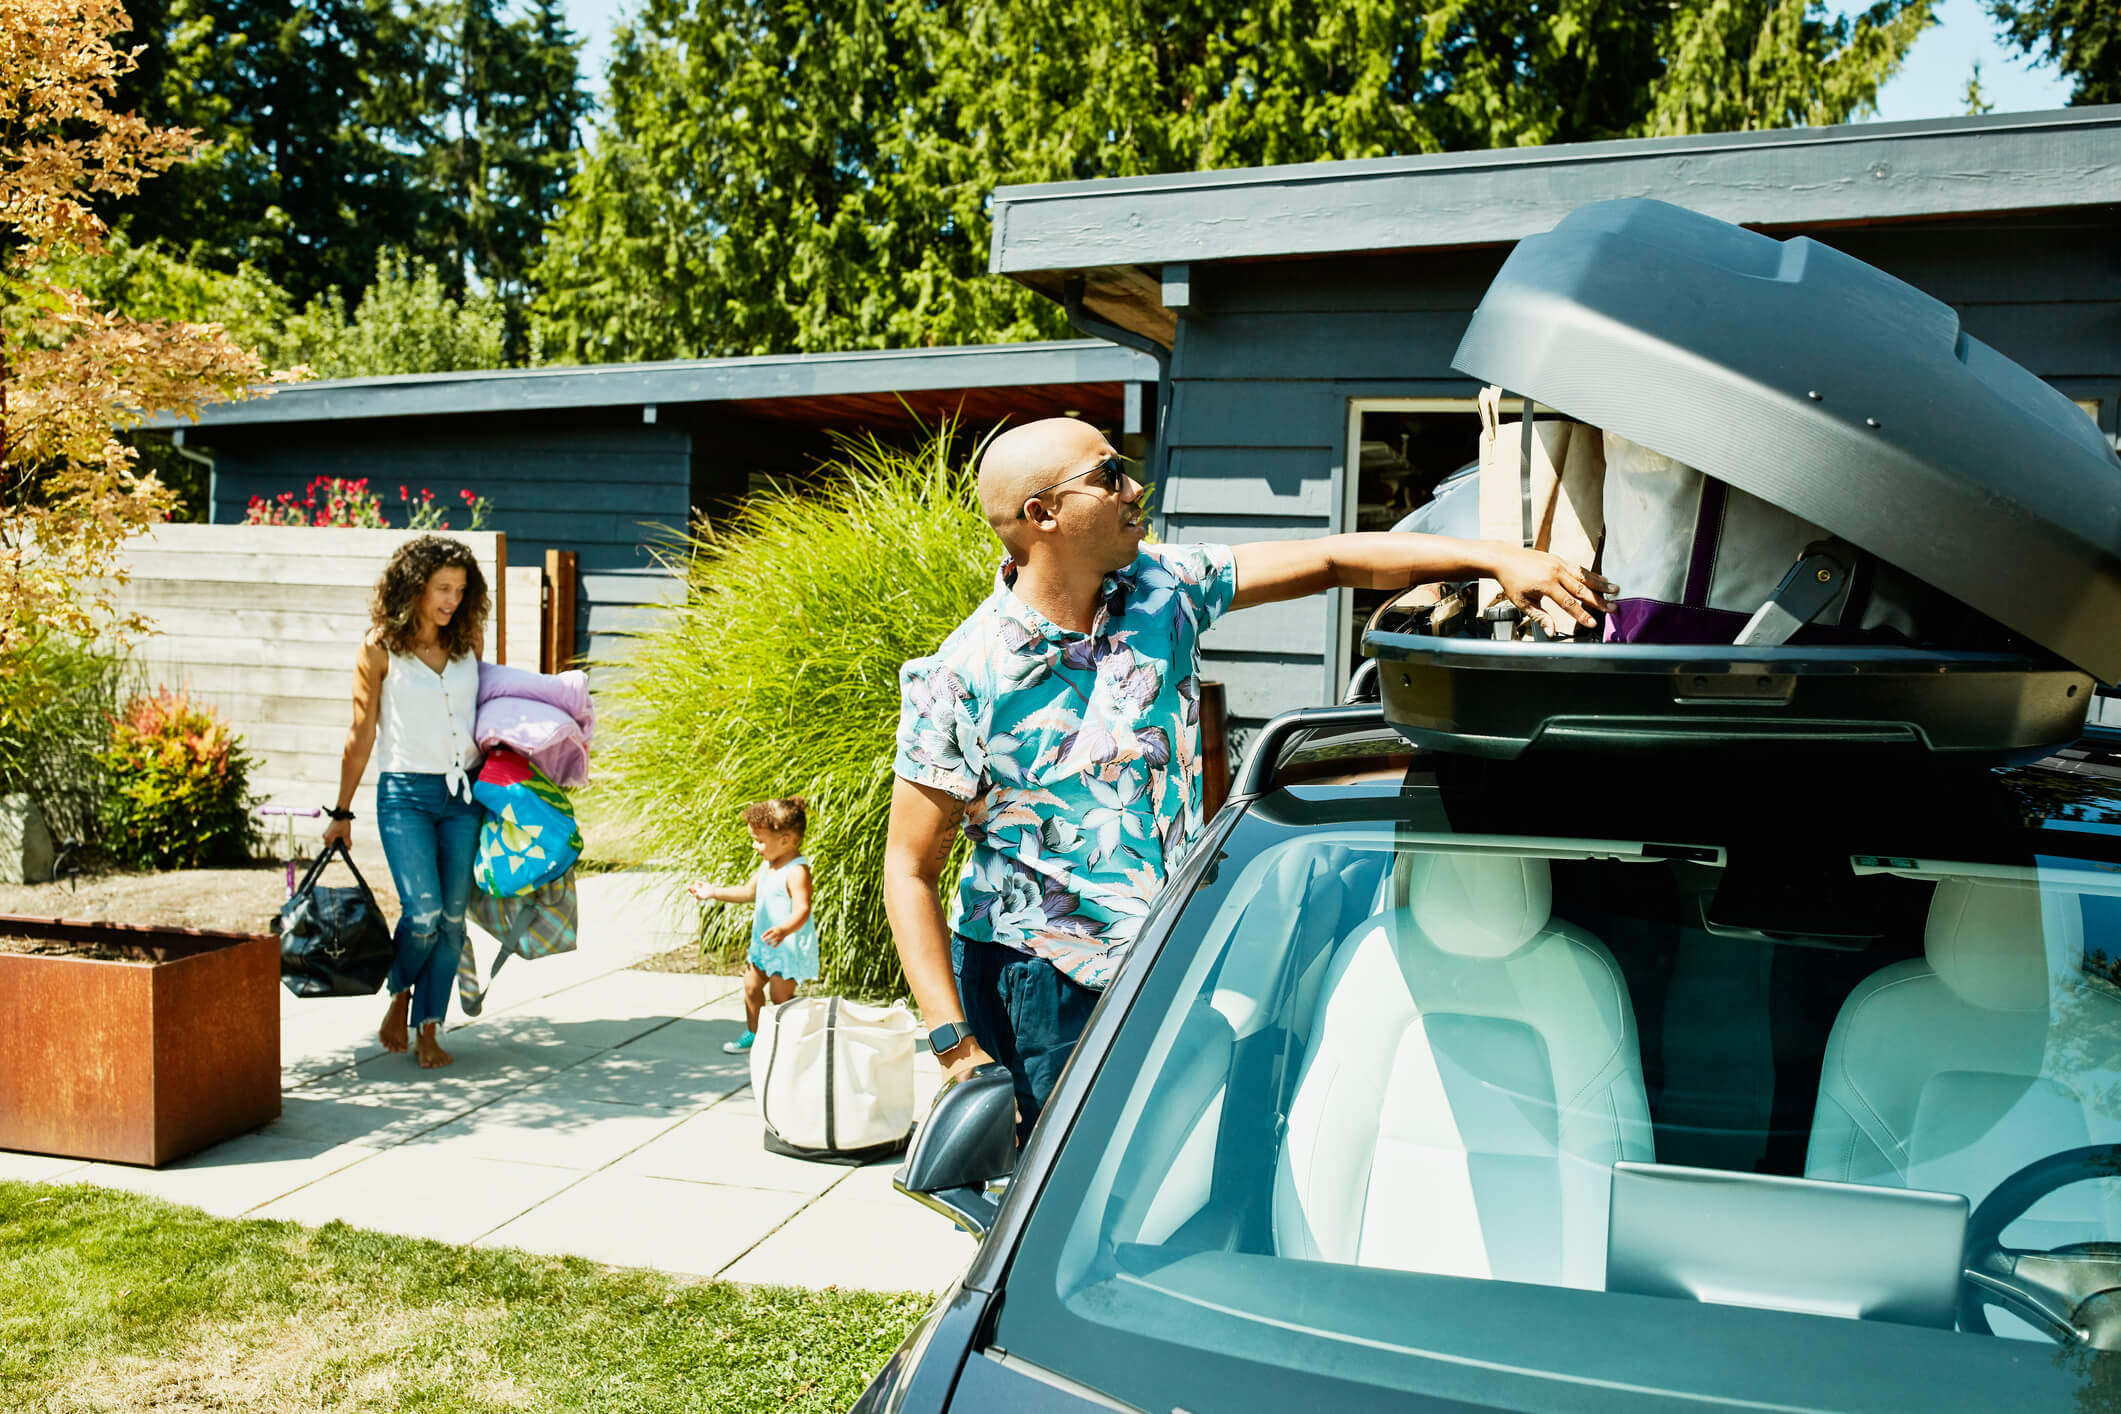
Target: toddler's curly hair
[[404, 579], [787, 813]]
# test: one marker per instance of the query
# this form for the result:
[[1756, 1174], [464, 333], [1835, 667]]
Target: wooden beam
[[1795, 177]]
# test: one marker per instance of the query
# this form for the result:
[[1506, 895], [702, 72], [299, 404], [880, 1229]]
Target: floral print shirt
[[1078, 753]]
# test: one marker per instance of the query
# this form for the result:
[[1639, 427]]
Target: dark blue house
[[611, 461]]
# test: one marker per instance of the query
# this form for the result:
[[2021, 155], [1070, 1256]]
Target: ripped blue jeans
[[430, 838]]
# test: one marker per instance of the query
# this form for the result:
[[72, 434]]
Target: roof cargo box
[[1832, 391]]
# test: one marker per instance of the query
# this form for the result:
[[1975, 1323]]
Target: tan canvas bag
[[1558, 507]]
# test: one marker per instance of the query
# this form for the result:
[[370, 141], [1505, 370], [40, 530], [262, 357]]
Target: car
[[1453, 508], [1590, 1026]]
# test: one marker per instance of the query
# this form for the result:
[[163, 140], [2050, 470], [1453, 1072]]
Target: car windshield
[[1693, 1106]]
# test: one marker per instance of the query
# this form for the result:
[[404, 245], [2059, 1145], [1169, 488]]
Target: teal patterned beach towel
[[529, 837]]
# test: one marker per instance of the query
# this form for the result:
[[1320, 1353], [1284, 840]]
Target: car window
[[1547, 1119]]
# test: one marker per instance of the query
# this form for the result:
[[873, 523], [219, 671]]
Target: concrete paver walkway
[[590, 1112]]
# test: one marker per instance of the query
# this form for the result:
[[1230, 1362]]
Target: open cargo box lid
[[1840, 394], [1826, 387]]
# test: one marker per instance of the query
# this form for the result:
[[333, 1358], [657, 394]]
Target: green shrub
[[778, 675], [57, 698], [179, 794]]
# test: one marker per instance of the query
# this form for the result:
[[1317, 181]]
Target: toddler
[[783, 937]]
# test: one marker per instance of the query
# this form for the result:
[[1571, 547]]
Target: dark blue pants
[[1025, 1012]]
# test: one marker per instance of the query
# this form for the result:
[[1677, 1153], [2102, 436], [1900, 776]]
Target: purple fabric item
[[545, 716], [552, 741], [568, 691], [1708, 536], [1654, 621]]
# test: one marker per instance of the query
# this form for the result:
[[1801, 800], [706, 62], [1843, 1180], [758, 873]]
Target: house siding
[[608, 494], [1267, 357], [1266, 360]]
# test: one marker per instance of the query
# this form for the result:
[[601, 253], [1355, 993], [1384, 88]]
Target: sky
[[1931, 84]]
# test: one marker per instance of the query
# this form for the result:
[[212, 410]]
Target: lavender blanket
[[545, 716]]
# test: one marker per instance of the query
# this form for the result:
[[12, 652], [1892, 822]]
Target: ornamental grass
[[778, 675]]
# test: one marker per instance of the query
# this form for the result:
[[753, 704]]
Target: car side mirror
[[967, 1143]]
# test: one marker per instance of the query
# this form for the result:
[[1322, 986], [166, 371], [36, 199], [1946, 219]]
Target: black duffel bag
[[333, 942]]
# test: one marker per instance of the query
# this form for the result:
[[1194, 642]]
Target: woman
[[417, 676]]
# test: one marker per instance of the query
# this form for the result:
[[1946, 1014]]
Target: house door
[[1399, 452]]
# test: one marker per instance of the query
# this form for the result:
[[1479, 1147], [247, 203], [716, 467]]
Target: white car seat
[[1952, 1071], [1474, 1075]]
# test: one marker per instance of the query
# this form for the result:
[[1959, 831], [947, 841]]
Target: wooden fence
[[263, 621]]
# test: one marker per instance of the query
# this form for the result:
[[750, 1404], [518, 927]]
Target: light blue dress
[[796, 956]]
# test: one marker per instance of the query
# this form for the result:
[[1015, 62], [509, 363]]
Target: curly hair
[[404, 579], [787, 813]]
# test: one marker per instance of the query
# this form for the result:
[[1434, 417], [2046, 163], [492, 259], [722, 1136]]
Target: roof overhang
[[1120, 235], [828, 389]]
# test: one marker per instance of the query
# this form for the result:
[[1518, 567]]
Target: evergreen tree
[[1976, 98], [2081, 37], [407, 322], [775, 178], [307, 173], [1737, 65], [502, 105], [340, 130]]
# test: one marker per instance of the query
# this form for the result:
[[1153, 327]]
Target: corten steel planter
[[143, 1060]]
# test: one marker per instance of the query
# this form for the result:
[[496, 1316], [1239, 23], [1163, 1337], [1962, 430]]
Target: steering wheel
[[2072, 1294]]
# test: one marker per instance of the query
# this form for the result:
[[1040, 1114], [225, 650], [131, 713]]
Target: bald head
[[1025, 460]]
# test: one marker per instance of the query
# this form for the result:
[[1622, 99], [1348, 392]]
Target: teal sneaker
[[740, 1045]]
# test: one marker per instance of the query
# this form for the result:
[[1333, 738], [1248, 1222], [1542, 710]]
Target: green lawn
[[109, 1301]]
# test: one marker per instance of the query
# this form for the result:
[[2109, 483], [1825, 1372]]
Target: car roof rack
[[1285, 734]]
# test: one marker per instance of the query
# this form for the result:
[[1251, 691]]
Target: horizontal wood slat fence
[[262, 621]]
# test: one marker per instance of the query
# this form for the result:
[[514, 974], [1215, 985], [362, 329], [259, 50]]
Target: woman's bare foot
[[392, 1033], [432, 1056]]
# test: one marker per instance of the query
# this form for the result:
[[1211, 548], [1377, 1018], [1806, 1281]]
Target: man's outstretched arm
[[1272, 570], [923, 826]]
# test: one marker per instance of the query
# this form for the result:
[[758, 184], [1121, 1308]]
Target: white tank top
[[428, 719]]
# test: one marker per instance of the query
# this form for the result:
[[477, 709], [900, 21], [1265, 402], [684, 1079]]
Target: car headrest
[[1985, 941], [1478, 905]]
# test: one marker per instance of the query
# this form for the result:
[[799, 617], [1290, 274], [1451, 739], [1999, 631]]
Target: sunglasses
[[1109, 473]]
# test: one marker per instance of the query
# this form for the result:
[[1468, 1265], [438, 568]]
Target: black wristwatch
[[340, 814], [948, 1037]]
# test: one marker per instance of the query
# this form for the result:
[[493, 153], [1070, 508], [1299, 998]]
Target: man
[[1059, 728]]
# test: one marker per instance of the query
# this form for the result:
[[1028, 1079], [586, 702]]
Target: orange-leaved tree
[[72, 376]]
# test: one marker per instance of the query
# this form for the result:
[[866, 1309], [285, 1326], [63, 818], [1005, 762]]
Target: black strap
[[316, 867], [832, 1031], [773, 1053]]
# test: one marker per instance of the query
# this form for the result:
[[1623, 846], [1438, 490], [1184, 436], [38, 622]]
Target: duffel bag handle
[[316, 867]]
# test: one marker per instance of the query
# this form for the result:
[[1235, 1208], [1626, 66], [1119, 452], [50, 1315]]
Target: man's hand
[[959, 1061], [1542, 585], [1550, 589]]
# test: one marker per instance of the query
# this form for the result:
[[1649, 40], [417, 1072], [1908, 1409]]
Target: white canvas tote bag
[[834, 1078], [1695, 559]]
